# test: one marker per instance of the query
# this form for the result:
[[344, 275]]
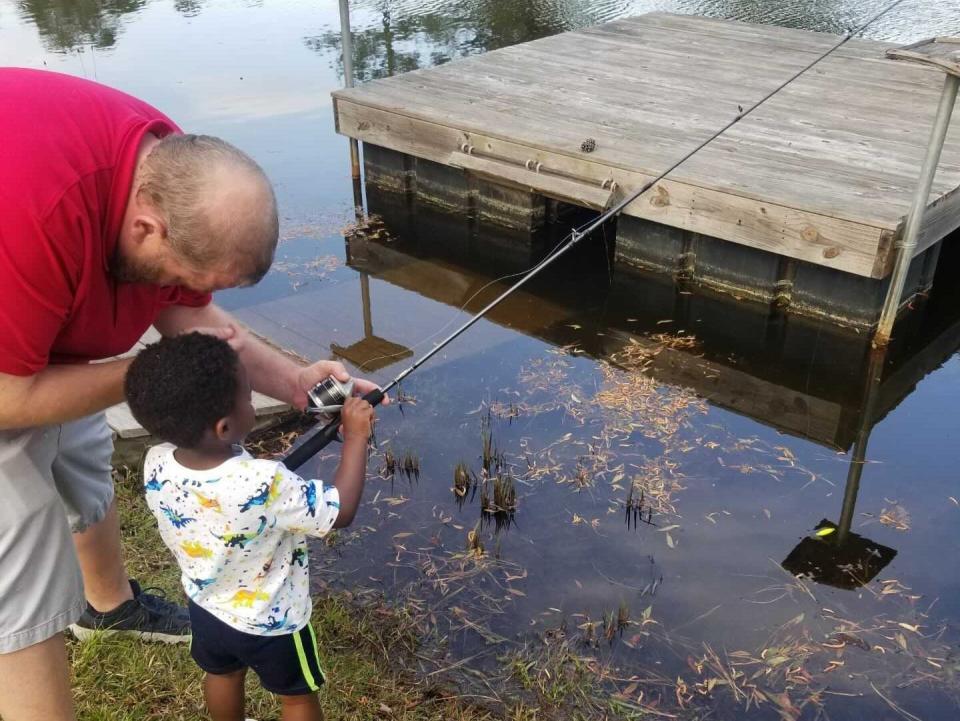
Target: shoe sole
[[83, 634]]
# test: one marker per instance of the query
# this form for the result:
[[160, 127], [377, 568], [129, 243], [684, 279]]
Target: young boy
[[236, 525]]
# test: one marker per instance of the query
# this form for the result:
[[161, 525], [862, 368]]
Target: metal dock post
[[346, 46], [928, 52]]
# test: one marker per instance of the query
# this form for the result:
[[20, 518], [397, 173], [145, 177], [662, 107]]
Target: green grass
[[118, 679]]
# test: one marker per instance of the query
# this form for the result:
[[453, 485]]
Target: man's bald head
[[216, 202]]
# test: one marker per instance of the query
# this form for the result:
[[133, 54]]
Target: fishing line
[[457, 313], [325, 435]]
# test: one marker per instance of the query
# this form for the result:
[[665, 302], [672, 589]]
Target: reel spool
[[326, 399]]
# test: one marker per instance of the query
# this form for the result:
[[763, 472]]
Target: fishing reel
[[326, 399]]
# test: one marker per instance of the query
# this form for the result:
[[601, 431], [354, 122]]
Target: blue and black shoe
[[147, 616]]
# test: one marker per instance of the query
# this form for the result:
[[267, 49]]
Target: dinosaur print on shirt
[[238, 532]]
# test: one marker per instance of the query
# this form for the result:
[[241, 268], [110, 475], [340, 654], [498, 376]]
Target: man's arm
[[271, 372], [60, 393]]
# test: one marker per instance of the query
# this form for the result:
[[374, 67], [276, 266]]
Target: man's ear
[[148, 226], [222, 429]]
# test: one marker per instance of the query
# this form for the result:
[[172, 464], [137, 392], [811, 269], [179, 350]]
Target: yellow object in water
[[825, 531]]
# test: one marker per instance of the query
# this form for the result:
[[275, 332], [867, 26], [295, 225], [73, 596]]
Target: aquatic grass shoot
[[464, 484], [411, 466], [389, 468], [475, 542], [498, 500]]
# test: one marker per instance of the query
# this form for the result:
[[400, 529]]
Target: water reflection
[[396, 36], [371, 352], [65, 25], [833, 554], [400, 37], [189, 8]]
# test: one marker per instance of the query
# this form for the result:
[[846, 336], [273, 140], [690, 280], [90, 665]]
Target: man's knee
[[82, 471]]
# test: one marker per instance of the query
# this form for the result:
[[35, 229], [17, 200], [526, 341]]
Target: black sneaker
[[147, 616]]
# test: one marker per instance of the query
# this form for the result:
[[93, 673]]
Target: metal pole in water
[[858, 455], [346, 47], [914, 220]]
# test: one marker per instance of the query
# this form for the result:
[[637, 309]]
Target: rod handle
[[374, 397], [322, 438]]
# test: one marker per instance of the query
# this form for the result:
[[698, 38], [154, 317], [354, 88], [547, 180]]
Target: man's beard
[[124, 270]]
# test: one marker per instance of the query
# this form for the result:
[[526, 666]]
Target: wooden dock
[[820, 176]]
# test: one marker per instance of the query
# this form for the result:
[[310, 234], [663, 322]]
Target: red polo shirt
[[68, 151]]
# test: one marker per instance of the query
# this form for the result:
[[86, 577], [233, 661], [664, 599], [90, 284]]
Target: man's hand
[[234, 335], [308, 377]]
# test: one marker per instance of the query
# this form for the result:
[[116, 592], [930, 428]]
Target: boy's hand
[[357, 419]]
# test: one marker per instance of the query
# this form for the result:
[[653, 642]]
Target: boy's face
[[243, 418]]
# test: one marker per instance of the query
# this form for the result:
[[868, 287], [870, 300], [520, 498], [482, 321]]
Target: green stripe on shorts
[[304, 665], [316, 653]]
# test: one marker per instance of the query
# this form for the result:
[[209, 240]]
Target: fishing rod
[[327, 397]]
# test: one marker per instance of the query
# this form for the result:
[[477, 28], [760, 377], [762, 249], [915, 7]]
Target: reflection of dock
[[800, 203], [796, 376]]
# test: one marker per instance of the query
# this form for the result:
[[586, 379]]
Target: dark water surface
[[740, 430]]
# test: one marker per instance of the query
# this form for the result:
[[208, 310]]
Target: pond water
[[672, 454]]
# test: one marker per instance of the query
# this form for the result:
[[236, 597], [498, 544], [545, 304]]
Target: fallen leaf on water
[[670, 541], [825, 531], [915, 629], [668, 528]]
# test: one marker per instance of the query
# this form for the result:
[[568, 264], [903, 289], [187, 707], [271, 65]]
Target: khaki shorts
[[53, 480]]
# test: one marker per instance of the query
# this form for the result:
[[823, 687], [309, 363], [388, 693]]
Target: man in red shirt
[[111, 221]]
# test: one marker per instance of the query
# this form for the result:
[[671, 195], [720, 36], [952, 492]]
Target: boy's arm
[[301, 505], [349, 478], [357, 418], [314, 508]]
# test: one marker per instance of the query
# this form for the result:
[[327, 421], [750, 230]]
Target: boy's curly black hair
[[179, 387]]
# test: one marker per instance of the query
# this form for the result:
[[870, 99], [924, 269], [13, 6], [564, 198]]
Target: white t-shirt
[[238, 532]]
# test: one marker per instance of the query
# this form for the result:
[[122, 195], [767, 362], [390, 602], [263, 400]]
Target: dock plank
[[838, 151]]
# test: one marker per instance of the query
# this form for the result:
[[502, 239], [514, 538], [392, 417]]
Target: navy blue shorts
[[287, 665]]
